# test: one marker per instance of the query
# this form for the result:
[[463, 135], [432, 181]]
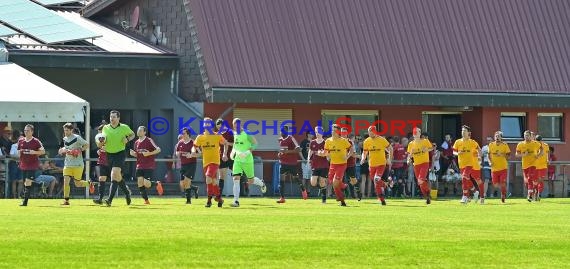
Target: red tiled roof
[[457, 45]]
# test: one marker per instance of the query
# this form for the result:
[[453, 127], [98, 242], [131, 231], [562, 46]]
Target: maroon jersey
[[351, 161], [148, 145], [318, 162], [29, 161], [183, 148], [228, 136], [102, 159], [288, 144], [399, 156]]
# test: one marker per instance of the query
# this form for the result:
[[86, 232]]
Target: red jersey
[[29, 161], [183, 148], [318, 162], [288, 144], [351, 161], [229, 137], [102, 159], [399, 156], [145, 145]]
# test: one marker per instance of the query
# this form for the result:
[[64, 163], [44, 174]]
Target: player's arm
[[363, 156], [225, 153], [129, 136], [297, 148], [133, 153], [252, 141], [40, 151], [349, 151], [390, 151], [85, 145], [154, 152], [519, 153]]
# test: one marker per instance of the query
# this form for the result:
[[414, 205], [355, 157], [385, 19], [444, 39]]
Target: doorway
[[439, 123]]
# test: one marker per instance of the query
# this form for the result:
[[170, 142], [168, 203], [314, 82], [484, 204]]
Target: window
[[550, 126], [513, 125], [350, 117]]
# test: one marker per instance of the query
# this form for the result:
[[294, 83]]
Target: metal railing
[[515, 183]]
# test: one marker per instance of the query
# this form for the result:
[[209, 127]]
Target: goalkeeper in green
[[242, 155]]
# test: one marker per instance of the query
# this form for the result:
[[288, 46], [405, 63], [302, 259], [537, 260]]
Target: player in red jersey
[[319, 163], [289, 151], [188, 164], [29, 149], [145, 151]]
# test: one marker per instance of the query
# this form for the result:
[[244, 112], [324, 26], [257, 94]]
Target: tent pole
[[88, 139]]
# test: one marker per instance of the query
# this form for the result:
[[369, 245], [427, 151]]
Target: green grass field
[[298, 234]]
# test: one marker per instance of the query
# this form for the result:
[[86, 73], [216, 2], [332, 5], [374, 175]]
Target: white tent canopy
[[26, 97]]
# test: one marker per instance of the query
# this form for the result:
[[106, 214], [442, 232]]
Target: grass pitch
[[298, 234]]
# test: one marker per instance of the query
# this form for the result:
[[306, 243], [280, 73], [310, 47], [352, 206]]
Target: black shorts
[[350, 172], [145, 173], [364, 169], [321, 172], [227, 164], [188, 170], [116, 159], [28, 174], [105, 171], [289, 169]]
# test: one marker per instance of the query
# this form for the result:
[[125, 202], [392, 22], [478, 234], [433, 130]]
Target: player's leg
[[211, 174], [104, 172], [465, 180], [28, 180], [284, 174], [66, 187], [236, 187], [297, 178], [338, 184], [116, 162]]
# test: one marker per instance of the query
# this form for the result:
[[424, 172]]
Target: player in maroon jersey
[[319, 163], [351, 164], [29, 149], [188, 163], [145, 151], [289, 151], [104, 169], [224, 129]]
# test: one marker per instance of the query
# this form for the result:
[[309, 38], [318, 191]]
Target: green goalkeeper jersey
[[242, 146]]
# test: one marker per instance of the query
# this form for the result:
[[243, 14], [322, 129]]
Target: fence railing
[[269, 171]]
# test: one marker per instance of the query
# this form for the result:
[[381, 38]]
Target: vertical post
[[88, 139]]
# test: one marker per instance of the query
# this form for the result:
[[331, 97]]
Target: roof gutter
[[389, 97]]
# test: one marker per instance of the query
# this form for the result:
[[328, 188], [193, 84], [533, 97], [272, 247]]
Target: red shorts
[[541, 173], [468, 171], [211, 170], [529, 174], [421, 171], [336, 171], [376, 171], [499, 176]]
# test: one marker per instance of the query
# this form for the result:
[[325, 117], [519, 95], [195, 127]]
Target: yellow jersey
[[467, 149], [376, 148], [531, 149], [338, 149], [415, 148], [497, 152], [210, 144]]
